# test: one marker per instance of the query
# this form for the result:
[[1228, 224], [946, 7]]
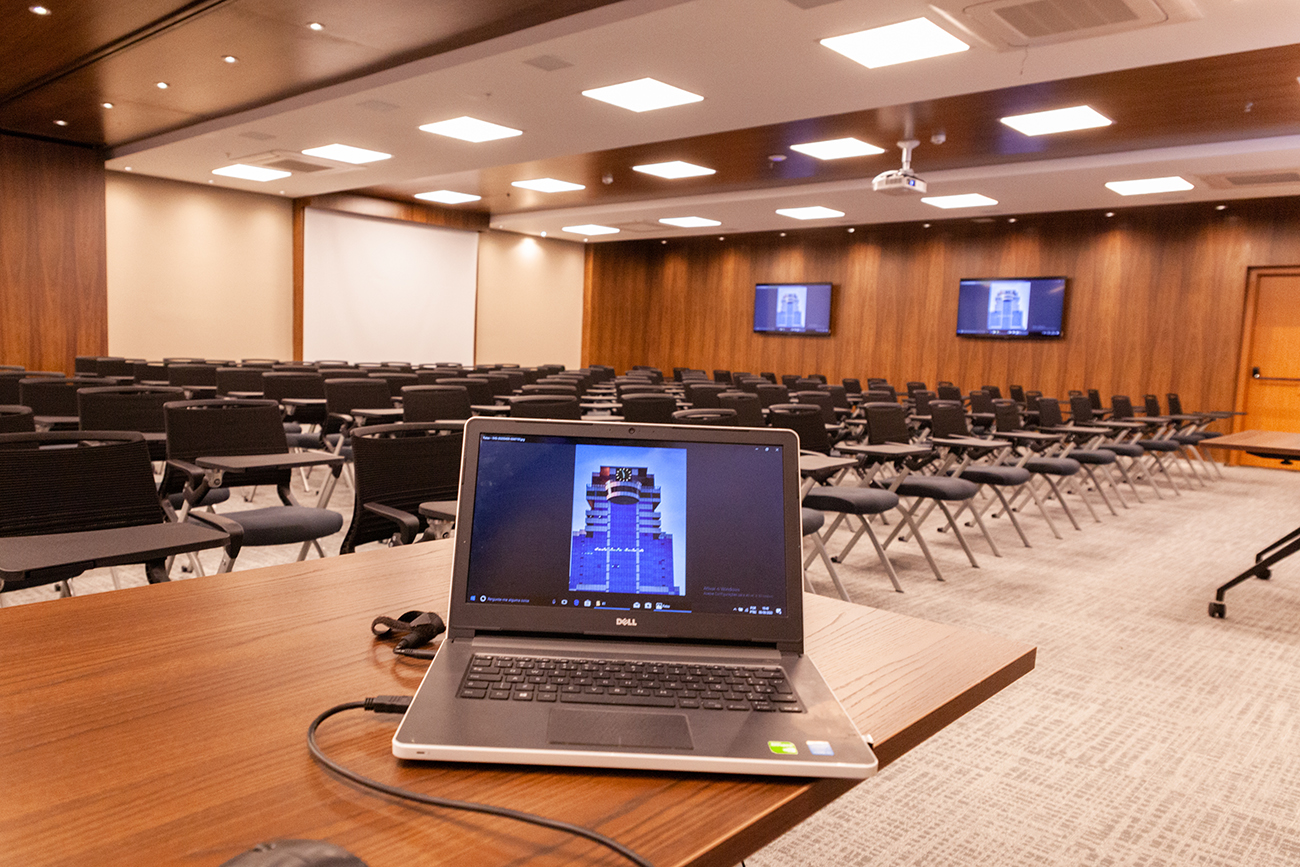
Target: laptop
[[629, 596]]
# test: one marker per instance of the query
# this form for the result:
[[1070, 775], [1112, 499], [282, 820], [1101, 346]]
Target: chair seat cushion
[[302, 440], [812, 521], [937, 488], [1158, 445], [846, 498], [1191, 439], [283, 525], [1092, 456], [1128, 450], [211, 498], [996, 475], [1053, 466]]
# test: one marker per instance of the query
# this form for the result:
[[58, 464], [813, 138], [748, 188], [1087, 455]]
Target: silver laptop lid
[[637, 531]]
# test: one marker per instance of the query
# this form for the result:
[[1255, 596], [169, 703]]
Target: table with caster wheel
[[1275, 445]]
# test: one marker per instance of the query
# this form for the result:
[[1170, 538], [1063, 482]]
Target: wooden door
[[1271, 355]]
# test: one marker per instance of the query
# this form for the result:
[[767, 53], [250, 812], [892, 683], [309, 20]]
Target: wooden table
[[1283, 446], [166, 725]]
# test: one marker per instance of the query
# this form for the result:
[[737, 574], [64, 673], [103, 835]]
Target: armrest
[[196, 480], [276, 461], [407, 524], [227, 525]]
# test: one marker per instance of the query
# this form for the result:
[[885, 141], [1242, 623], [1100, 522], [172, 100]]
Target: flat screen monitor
[[1032, 307], [792, 308]]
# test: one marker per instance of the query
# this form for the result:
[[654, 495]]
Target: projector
[[898, 182]]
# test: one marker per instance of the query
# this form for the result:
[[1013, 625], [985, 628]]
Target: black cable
[[398, 704]]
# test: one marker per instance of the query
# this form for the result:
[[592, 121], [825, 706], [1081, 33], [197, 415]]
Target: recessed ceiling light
[[644, 94], [673, 170], [38, 10], [1220, 207], [250, 173], [471, 129], [896, 43], [107, 104], [689, 222], [1149, 185], [591, 229], [162, 85], [1057, 120], [448, 197], [967, 200], [547, 185], [816, 212], [60, 123], [230, 58], [346, 154], [126, 168], [316, 25], [543, 234], [837, 148]]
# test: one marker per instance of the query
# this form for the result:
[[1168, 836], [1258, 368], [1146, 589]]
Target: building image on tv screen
[[791, 307], [1032, 307], [1008, 306], [626, 522]]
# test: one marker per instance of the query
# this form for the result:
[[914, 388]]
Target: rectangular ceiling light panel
[[689, 222], [644, 94], [448, 197], [673, 170], [1057, 120], [547, 185], [471, 129], [347, 154], [250, 173], [837, 148], [591, 229], [896, 43], [815, 212], [1147, 186], [966, 200]]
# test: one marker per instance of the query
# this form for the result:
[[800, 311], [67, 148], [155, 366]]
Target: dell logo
[[625, 621]]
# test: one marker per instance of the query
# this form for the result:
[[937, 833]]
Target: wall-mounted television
[[1032, 307], [792, 308]]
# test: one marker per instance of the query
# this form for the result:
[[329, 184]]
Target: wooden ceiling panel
[[64, 65]]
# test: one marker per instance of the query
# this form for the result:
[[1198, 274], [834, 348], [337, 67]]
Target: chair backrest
[[396, 380], [225, 427], [722, 376], [808, 383], [84, 364], [805, 419], [852, 386], [1175, 404], [749, 412], [149, 371], [839, 397], [127, 407], [706, 416], [239, 379], [873, 395], [192, 374], [480, 393], [113, 366], [402, 466], [1152, 404], [1049, 412], [882, 386], [1006, 415], [651, 408], [344, 395], [16, 419], [563, 406], [948, 419], [1080, 409], [886, 423], [993, 390], [769, 375], [1094, 398], [1017, 393], [770, 394], [638, 386], [914, 387], [281, 384], [704, 395], [921, 400], [789, 379], [1121, 406], [49, 396], [261, 363], [821, 400], [947, 391], [549, 388], [105, 480], [427, 403], [982, 401]]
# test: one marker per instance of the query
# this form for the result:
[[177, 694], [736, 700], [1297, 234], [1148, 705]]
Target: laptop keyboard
[[627, 682]]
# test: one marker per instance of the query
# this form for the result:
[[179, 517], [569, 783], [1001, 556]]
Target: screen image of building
[[622, 547], [1007, 311], [789, 312]]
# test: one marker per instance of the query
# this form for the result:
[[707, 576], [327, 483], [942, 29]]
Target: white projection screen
[[383, 290]]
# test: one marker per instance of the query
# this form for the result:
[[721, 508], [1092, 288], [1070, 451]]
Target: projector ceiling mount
[[903, 181]]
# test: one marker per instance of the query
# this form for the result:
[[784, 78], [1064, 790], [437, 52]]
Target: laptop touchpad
[[604, 728]]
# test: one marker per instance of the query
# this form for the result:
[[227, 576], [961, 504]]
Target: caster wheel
[[1264, 575], [1218, 609]]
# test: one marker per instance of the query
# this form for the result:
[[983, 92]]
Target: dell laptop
[[629, 596]]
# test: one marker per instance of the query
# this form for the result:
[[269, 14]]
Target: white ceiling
[[756, 62]]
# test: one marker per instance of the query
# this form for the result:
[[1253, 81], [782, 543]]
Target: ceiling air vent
[[1004, 25], [642, 226], [1255, 179], [298, 164]]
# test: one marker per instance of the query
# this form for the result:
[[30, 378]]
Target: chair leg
[[819, 549], [1161, 466], [970, 555], [1011, 515], [155, 571], [1056, 491], [1082, 491], [916, 534], [880, 552]]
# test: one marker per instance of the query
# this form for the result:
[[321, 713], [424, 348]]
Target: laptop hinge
[[790, 647], [454, 632]]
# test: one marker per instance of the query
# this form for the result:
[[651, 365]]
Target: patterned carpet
[[1149, 734]]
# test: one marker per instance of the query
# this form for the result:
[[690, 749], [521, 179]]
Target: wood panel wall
[[1155, 302], [53, 254]]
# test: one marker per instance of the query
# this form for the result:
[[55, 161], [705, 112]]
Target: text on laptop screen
[[668, 527]]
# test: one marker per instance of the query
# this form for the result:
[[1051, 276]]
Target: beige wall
[[197, 271], [529, 300]]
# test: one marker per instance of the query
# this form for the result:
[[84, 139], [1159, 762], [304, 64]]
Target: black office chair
[[749, 412], [136, 408], [247, 381], [649, 407], [78, 500], [16, 419], [425, 403], [706, 416], [805, 419], [398, 467], [562, 406]]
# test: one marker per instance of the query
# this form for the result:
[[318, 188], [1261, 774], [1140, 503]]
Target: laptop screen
[[631, 530]]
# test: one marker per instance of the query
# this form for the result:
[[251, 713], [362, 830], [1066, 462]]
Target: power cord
[[399, 704]]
